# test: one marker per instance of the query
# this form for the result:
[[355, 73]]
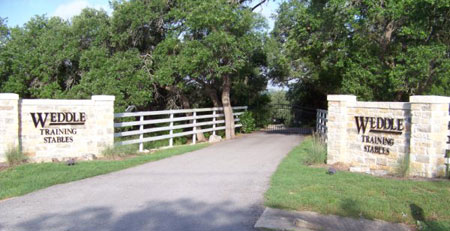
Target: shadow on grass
[[419, 216], [351, 208], [182, 215]]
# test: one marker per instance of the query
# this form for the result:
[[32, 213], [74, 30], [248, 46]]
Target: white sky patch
[[267, 10], [70, 9], [275, 87]]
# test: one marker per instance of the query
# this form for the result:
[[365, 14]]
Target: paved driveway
[[217, 188]]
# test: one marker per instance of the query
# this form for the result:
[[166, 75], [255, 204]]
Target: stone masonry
[[45, 129], [379, 137], [430, 116], [9, 123]]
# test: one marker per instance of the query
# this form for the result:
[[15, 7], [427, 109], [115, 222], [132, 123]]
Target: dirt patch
[[3, 166], [339, 166]]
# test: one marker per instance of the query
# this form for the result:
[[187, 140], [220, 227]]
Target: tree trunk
[[212, 93], [227, 110]]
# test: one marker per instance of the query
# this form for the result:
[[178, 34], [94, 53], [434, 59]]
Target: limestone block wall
[[338, 119], [48, 129], [9, 123], [380, 137], [381, 147], [430, 116]]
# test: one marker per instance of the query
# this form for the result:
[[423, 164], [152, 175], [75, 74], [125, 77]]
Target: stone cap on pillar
[[103, 97], [429, 99], [346, 98], [9, 96]]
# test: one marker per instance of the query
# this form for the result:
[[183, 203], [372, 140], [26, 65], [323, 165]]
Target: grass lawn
[[27, 178], [296, 186]]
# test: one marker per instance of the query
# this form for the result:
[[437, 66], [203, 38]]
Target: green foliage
[[115, 152], [261, 110], [207, 42], [38, 58], [298, 187], [316, 153], [377, 50], [280, 108], [248, 122], [139, 24], [151, 54], [14, 156], [4, 32], [278, 98], [52, 58], [165, 143], [120, 75]]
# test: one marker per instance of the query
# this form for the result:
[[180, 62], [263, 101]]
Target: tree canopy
[[152, 54], [210, 44], [377, 50], [164, 54]]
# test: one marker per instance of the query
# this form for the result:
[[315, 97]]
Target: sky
[[18, 12]]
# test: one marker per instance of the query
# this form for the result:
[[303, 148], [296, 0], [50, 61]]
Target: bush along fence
[[381, 137], [169, 124], [48, 129]]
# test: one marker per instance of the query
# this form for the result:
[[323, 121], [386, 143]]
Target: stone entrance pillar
[[429, 129], [338, 119], [9, 123]]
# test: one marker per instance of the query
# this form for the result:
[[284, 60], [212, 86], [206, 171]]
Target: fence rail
[[145, 124], [321, 123]]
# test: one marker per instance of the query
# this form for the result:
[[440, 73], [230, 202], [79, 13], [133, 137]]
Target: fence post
[[141, 136], [194, 136], [317, 121], [214, 121], [171, 129]]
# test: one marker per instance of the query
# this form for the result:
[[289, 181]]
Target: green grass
[[27, 178], [316, 153], [296, 186]]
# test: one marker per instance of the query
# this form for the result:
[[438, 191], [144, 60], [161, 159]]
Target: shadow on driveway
[[183, 214]]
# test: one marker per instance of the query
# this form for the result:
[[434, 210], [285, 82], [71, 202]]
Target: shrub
[[248, 122], [402, 168], [14, 156], [262, 116], [316, 152], [114, 152], [156, 144]]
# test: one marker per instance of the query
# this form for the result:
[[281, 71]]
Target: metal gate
[[288, 119]]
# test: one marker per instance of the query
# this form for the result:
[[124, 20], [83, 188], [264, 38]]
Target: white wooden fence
[[321, 123], [198, 120]]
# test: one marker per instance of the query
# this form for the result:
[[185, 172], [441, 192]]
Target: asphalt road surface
[[220, 187]]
